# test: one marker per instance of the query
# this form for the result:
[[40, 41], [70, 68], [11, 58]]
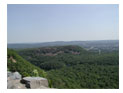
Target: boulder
[[14, 75], [43, 87], [15, 84], [14, 81], [35, 82], [9, 74], [17, 75]]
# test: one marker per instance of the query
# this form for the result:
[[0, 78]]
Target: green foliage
[[85, 76], [51, 65], [35, 73], [50, 83], [21, 65], [73, 67], [25, 74]]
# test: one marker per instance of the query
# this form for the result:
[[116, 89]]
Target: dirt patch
[[12, 59]]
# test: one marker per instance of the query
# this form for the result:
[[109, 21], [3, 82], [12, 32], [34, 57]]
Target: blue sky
[[47, 23]]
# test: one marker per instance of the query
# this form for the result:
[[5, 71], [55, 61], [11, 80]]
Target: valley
[[70, 66]]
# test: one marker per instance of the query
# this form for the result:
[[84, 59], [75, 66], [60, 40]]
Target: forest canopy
[[75, 67]]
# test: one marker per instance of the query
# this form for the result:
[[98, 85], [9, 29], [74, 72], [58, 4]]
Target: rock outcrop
[[14, 75], [35, 82], [15, 81]]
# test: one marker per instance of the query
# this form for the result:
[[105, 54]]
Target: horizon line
[[61, 41]]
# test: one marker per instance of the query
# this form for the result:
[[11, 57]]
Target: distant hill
[[50, 56], [61, 43], [55, 50]]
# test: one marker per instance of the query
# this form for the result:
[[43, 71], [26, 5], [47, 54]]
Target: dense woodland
[[69, 66]]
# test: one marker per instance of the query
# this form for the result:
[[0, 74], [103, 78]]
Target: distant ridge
[[61, 43]]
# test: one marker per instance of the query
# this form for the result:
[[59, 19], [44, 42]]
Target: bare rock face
[[15, 81], [14, 75], [35, 82], [15, 84]]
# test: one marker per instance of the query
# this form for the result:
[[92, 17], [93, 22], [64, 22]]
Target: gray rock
[[35, 82], [14, 81], [43, 87], [15, 84], [17, 75], [14, 75], [9, 74]]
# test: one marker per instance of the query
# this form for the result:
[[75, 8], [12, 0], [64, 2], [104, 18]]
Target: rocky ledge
[[15, 81]]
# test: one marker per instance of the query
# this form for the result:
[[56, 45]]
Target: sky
[[62, 22]]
